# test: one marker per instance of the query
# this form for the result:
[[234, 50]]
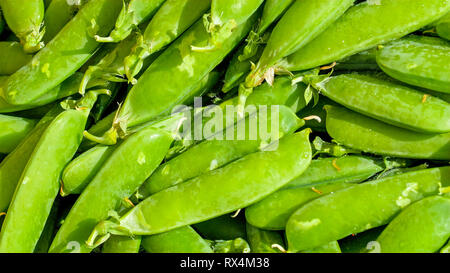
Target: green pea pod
[[122, 244], [263, 241], [362, 28], [12, 57], [224, 227], [218, 192], [389, 102], [57, 15], [390, 140], [132, 14], [171, 20], [80, 171], [419, 61], [217, 152], [49, 230], [180, 240], [12, 166], [24, 18], [331, 149], [446, 248], [359, 243], [364, 60], [237, 245], [128, 166], [272, 11], [39, 183], [301, 23], [105, 101], [361, 207], [12, 131], [443, 27], [423, 227], [66, 53], [331, 247]]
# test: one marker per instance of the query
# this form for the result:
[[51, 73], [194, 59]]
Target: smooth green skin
[[177, 70], [389, 102], [80, 171], [364, 60], [361, 207], [122, 244], [233, 12], [39, 183], [12, 166], [224, 227], [359, 243], [132, 14], [12, 131], [169, 22], [419, 61], [423, 227], [180, 240], [129, 165], [443, 27], [215, 193], [213, 154], [57, 15], [331, 247], [446, 248], [272, 11], [63, 55], [24, 18], [302, 22], [362, 28], [12, 57], [46, 238], [373, 136], [261, 241]]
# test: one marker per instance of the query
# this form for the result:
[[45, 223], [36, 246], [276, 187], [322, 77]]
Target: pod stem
[[103, 231]]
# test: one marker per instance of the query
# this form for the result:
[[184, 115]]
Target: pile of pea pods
[[96, 154]]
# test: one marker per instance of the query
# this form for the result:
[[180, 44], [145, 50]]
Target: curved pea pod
[[361, 242], [361, 207], [390, 140], [443, 27], [80, 171], [419, 61], [272, 11], [423, 227], [130, 164], [66, 53], [218, 192], [24, 18], [364, 60], [225, 227], [237, 245], [177, 70], [122, 244], [12, 131], [360, 28], [180, 240], [49, 230], [12, 166], [331, 247], [169, 22], [12, 57], [389, 102], [446, 248], [38, 185], [301, 23], [132, 14], [219, 151], [263, 241], [57, 15]]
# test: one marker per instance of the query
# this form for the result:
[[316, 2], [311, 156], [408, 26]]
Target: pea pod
[[132, 14], [180, 240], [361, 28], [263, 241], [171, 20], [66, 53], [443, 27], [12, 131], [225, 227], [12, 166], [12, 57], [237, 245], [419, 61], [389, 102], [39, 183], [361, 242], [128, 166], [215, 153], [390, 140], [361, 207], [364, 60], [28, 31], [331, 247], [214, 193], [446, 248], [121, 244], [49, 230], [301, 23], [57, 15]]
